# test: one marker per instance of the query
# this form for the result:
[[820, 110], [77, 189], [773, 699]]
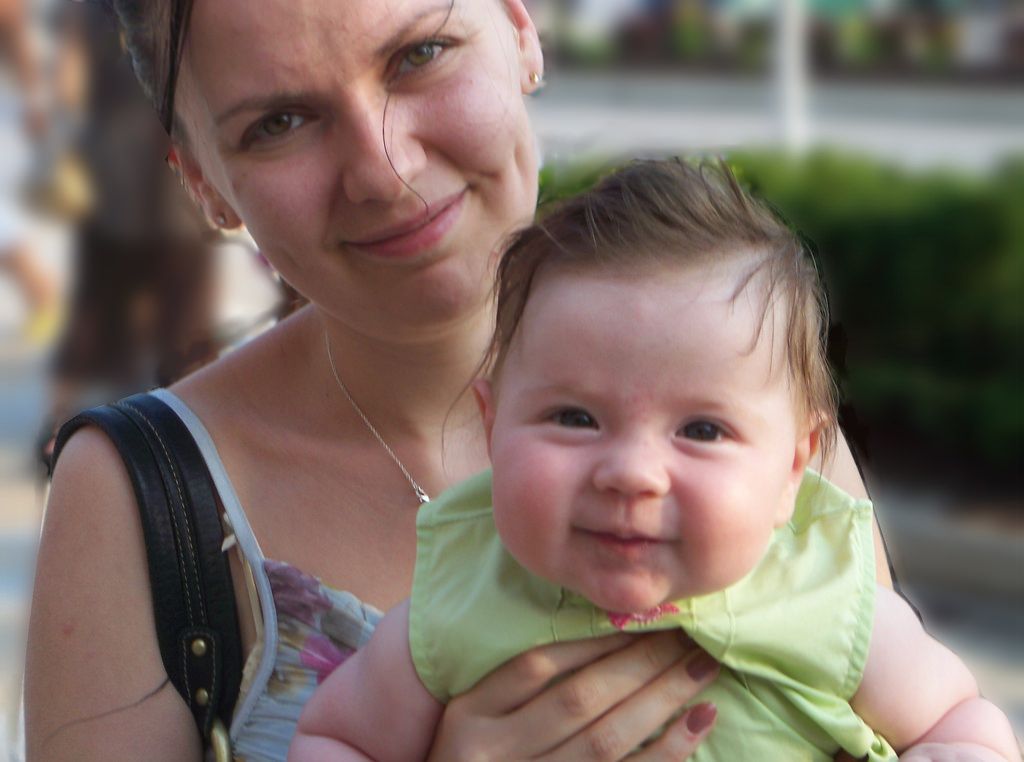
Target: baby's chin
[[638, 599], [630, 601]]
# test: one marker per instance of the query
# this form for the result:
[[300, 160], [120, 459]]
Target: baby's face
[[644, 447]]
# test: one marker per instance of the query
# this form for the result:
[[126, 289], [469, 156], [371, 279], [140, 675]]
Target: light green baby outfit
[[792, 635]]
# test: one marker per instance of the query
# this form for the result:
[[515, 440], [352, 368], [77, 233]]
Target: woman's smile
[[416, 235]]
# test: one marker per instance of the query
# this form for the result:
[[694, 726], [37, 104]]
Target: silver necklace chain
[[421, 494]]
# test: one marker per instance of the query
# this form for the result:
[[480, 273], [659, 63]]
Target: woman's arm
[[95, 685], [616, 693], [842, 471]]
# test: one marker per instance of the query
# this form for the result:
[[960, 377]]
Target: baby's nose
[[633, 469]]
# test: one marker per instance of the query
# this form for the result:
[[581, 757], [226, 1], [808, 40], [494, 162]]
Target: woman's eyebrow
[[268, 101], [262, 102], [395, 40]]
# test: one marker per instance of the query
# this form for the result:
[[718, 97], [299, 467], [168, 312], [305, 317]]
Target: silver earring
[[221, 220]]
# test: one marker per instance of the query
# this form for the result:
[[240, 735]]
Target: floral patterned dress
[[317, 629]]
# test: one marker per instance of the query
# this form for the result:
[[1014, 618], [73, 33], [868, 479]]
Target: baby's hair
[[671, 213]]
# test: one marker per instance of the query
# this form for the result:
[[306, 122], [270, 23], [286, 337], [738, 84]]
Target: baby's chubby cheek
[[530, 526], [727, 554]]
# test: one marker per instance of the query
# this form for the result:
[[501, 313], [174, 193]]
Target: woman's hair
[[673, 214], [154, 35]]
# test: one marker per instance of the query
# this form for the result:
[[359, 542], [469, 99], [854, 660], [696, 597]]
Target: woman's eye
[[702, 431], [574, 418], [277, 125], [419, 56]]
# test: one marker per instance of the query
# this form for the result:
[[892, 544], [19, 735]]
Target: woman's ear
[[202, 193], [484, 394], [806, 448], [531, 57]]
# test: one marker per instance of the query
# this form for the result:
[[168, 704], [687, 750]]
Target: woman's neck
[[408, 387]]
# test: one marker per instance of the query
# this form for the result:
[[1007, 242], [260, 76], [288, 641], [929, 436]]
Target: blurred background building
[[920, 39], [890, 132]]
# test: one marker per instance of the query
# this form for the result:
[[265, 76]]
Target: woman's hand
[[616, 692]]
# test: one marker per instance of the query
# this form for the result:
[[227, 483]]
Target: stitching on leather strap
[[174, 518], [185, 669]]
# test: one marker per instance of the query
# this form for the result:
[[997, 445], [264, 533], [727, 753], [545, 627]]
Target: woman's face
[[377, 150]]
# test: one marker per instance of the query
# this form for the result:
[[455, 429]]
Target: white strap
[[248, 545]]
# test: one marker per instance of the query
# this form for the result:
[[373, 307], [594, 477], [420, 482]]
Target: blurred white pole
[[791, 73]]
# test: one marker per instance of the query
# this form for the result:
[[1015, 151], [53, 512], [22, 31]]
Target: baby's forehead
[[719, 315], [737, 283], [738, 264], [678, 306]]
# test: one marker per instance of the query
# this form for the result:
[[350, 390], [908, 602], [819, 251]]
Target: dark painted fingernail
[[701, 666], [700, 718]]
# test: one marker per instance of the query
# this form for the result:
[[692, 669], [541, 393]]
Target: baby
[[657, 387]]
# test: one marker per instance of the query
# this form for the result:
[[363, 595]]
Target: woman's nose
[[633, 469], [382, 157]]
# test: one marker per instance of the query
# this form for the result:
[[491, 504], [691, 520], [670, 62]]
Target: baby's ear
[[484, 394], [807, 445]]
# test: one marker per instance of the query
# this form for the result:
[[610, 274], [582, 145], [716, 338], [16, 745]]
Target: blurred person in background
[[23, 122], [143, 296]]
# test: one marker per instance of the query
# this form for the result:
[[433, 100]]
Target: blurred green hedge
[[925, 272]]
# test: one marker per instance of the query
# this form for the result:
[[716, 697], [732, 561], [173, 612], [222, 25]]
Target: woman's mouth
[[415, 236]]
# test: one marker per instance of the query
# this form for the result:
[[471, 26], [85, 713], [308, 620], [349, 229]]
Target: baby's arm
[[917, 692], [352, 716]]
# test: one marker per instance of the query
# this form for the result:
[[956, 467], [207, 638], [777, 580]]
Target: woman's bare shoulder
[[95, 683], [94, 677]]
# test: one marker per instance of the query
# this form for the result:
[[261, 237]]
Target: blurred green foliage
[[925, 272]]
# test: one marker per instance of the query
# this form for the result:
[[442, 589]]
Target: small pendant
[[422, 496]]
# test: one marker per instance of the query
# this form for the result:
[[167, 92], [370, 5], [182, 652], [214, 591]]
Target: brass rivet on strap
[[202, 697], [199, 647]]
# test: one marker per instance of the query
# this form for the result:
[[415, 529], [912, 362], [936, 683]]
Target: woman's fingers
[[614, 693], [487, 721], [608, 709], [682, 737], [521, 679]]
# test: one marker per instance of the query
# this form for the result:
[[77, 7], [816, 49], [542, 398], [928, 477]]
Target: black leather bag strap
[[193, 598]]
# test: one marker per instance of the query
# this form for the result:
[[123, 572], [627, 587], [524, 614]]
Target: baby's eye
[[702, 431], [420, 55], [276, 126], [574, 418]]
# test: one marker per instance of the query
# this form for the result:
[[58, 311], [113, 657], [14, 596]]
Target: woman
[[378, 151]]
